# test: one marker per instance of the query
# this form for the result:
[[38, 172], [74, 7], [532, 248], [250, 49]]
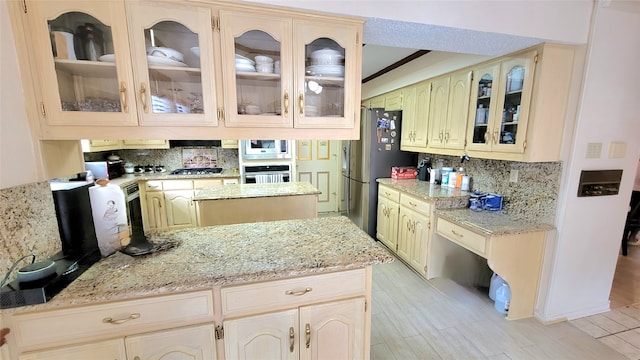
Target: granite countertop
[[452, 204], [239, 191], [491, 223], [444, 197], [225, 255], [128, 179]]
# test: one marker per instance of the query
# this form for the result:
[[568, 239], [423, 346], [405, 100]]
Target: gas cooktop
[[196, 171]]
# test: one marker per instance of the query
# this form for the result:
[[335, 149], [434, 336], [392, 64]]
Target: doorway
[[317, 162]]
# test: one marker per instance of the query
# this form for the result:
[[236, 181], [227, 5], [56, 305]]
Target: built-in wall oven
[[257, 174], [265, 149]]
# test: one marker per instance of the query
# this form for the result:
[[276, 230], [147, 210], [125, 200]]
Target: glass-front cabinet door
[[173, 63], [257, 75], [513, 101], [483, 106], [324, 56], [84, 64]]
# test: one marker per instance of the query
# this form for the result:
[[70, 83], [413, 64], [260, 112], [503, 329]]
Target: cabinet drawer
[[461, 236], [420, 206], [73, 325], [177, 185], [153, 185], [266, 296], [389, 193]]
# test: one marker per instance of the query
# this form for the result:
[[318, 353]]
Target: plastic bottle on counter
[[460, 175], [444, 174], [466, 183], [453, 177]]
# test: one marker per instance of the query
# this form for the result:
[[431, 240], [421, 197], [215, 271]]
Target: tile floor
[[438, 319]]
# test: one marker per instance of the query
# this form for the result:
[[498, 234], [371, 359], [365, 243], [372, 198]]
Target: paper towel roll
[[109, 210]]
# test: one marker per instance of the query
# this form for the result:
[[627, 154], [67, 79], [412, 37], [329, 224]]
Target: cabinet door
[[84, 62], [438, 111], [514, 98], [100, 145], [458, 110], [257, 94], [405, 235], [181, 210], [103, 350], [145, 144], [421, 228], [268, 336], [394, 101], [484, 104], [421, 118], [192, 343], [387, 225], [408, 116], [156, 214], [327, 78], [333, 330], [377, 102], [172, 50]]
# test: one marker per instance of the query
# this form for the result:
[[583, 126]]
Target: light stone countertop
[[128, 179], [240, 191], [452, 204], [225, 255]]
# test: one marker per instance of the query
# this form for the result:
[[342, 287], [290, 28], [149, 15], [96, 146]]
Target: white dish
[[108, 58], [245, 68], [244, 59], [161, 61], [262, 59], [196, 51], [165, 52], [325, 70]]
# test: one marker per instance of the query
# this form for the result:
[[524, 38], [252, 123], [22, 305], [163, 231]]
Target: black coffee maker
[[424, 169]]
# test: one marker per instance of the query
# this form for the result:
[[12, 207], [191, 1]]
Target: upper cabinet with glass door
[[173, 63], [481, 119], [289, 73], [86, 74]]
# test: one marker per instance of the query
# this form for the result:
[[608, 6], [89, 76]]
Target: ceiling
[[389, 41]]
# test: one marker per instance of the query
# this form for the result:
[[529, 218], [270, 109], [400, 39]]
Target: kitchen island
[[216, 277], [244, 203]]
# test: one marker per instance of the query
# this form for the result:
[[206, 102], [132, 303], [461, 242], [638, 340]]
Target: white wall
[[18, 164], [590, 229]]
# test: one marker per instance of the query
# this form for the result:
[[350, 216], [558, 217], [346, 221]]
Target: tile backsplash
[[171, 158], [28, 224], [533, 196]]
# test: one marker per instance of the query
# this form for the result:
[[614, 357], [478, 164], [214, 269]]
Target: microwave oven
[[266, 149], [105, 169]]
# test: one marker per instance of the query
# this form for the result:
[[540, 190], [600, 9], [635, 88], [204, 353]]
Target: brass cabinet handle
[[446, 137], [286, 103], [292, 338], [120, 321], [301, 103], [298, 292], [495, 137], [143, 97], [456, 234], [440, 135], [413, 204], [486, 137], [307, 332], [123, 96]]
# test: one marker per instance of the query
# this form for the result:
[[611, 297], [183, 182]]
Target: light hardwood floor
[[438, 319]]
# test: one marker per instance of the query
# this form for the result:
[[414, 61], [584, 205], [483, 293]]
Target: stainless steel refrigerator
[[370, 158]]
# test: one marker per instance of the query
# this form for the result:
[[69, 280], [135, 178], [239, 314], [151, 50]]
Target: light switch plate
[[617, 150], [513, 176], [593, 150]]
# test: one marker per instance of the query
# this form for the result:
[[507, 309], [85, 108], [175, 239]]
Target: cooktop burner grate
[[196, 171]]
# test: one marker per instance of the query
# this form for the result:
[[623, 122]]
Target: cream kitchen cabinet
[[326, 331], [377, 102], [100, 145], [122, 73], [314, 317], [145, 144], [414, 232], [448, 111], [394, 100], [415, 117], [301, 89], [147, 327], [181, 209], [388, 210], [531, 96]]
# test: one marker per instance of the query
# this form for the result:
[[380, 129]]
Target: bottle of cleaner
[[503, 298]]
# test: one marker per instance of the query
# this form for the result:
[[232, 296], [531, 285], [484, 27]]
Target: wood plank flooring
[[438, 319]]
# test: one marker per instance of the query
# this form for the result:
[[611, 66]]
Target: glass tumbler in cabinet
[[81, 73], [173, 61]]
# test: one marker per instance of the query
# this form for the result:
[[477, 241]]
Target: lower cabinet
[[195, 342], [181, 209], [332, 330], [404, 226]]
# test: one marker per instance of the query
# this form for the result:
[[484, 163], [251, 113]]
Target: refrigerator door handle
[[347, 157]]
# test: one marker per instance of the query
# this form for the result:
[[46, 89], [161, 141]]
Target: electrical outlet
[[513, 176]]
